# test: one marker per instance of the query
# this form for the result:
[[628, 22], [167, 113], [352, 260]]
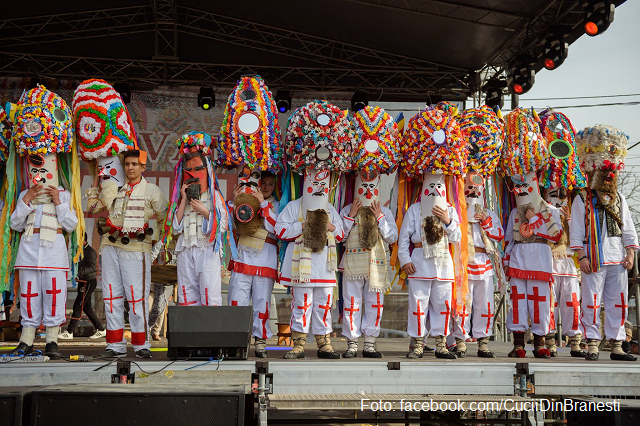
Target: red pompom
[[521, 353]]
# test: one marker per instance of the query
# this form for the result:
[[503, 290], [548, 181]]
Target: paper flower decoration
[[102, 122], [448, 107], [250, 133], [320, 135], [525, 149], [433, 143], [484, 133], [42, 123], [601, 145], [5, 136], [378, 140], [193, 142], [563, 169]]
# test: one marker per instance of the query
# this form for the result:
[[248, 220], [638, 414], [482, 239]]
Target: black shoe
[[414, 355], [293, 355], [261, 353], [445, 355], [329, 355], [486, 354], [350, 354], [22, 349], [110, 353], [622, 357], [553, 354], [579, 354], [51, 350], [541, 353], [426, 348], [143, 353], [592, 357], [372, 354], [459, 354]]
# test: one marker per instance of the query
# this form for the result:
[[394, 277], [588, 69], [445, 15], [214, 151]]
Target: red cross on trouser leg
[[488, 317], [327, 309], [111, 298], [575, 304], [351, 310], [515, 302], [595, 307], [264, 317], [623, 307], [304, 308], [54, 293], [536, 298], [134, 301], [446, 314], [418, 313], [184, 297], [378, 306], [206, 297], [28, 295], [462, 317]]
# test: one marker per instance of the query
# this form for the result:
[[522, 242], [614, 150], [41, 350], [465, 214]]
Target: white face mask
[[525, 188], [474, 194], [43, 169], [366, 189], [434, 193], [248, 180], [315, 194], [110, 170], [552, 196]]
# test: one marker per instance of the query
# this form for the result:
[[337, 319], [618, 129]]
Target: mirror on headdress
[[371, 145], [323, 153], [555, 126], [323, 119], [248, 123], [247, 95], [439, 137], [560, 149]]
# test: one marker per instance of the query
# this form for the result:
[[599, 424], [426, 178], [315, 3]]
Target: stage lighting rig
[[556, 51], [359, 101], [493, 93], [598, 19], [523, 78], [206, 98], [283, 100]]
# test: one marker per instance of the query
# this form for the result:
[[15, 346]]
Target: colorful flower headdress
[[563, 169], [485, 134], [5, 136], [433, 143], [525, 149], [194, 141], [378, 140], [601, 146], [102, 122], [320, 135], [250, 133], [448, 107], [42, 124]]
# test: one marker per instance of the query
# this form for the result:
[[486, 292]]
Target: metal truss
[[153, 72], [166, 29]]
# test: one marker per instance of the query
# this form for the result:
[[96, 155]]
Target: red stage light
[[549, 64], [591, 28], [518, 89]]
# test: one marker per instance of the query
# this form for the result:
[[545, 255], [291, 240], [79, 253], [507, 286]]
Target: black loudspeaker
[[12, 402], [204, 332], [110, 405]]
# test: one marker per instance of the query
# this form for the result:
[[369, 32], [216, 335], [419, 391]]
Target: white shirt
[[207, 224], [483, 267], [32, 255]]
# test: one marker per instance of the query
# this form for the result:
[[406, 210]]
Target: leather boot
[[539, 351], [576, 350], [370, 348], [417, 350], [324, 348], [518, 345], [441, 349], [352, 349], [461, 348], [617, 354], [260, 345], [593, 354], [299, 340], [483, 348], [550, 342]]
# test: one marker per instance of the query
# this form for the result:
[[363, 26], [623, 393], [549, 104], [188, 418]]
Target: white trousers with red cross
[[311, 310], [243, 289], [199, 277], [43, 296], [567, 294], [611, 284], [433, 298], [354, 323], [481, 292], [126, 274], [529, 298]]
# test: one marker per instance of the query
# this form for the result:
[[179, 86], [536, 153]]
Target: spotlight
[[597, 21], [124, 90], [523, 79], [493, 93], [555, 52], [206, 98], [283, 100], [359, 101]]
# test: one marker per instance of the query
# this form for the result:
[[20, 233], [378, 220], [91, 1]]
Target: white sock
[[52, 334], [369, 343], [28, 335]]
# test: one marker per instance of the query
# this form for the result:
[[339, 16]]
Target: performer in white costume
[[250, 141], [530, 227], [320, 140], [43, 135], [604, 237], [561, 176], [433, 147], [484, 133], [368, 227]]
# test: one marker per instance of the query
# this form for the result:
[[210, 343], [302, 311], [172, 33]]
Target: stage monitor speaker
[[117, 404], [13, 402], [204, 332]]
